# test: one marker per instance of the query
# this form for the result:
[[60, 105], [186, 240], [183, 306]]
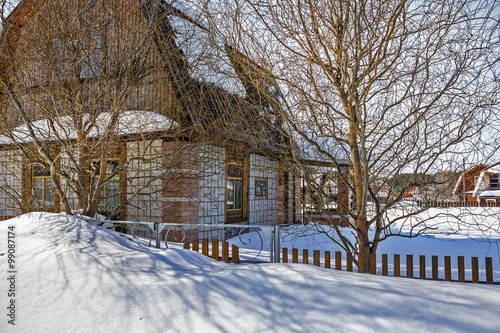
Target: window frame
[[117, 178], [234, 179], [37, 172]]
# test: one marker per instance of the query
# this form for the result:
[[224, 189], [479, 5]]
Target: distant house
[[479, 184]]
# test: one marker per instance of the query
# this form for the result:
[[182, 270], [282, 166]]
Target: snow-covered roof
[[490, 194], [310, 152], [129, 122], [204, 51]]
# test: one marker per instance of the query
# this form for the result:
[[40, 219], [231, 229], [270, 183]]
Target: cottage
[[480, 184], [178, 143]]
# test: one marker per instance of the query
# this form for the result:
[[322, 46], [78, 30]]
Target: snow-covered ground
[[76, 277], [467, 232]]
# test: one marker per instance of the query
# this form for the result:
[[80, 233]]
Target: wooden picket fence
[[3, 218], [397, 265], [235, 251]]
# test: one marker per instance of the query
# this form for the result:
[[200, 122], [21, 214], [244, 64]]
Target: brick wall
[[212, 187]]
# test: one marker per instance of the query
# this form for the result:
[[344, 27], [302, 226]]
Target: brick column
[[343, 194], [180, 188]]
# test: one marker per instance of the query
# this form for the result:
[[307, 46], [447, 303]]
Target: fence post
[[186, 246], [157, 234], [361, 263], [235, 253], [285, 254], [196, 246], [409, 266], [385, 265], [327, 259], [305, 256], [461, 269], [373, 263], [204, 246], [316, 257], [215, 249], [435, 268], [295, 256], [338, 260], [276, 243], [397, 272], [447, 268], [225, 251], [475, 270], [489, 270], [421, 266], [349, 261]]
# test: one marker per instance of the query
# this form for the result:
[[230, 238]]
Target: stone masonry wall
[[263, 211], [11, 190]]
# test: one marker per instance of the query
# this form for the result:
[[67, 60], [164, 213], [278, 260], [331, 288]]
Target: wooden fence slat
[[215, 249], [461, 269], [397, 272], [186, 246], [489, 270], [421, 266], [295, 256], [225, 251], [447, 268], [305, 256], [349, 261], [385, 265], [373, 263], [196, 245], [409, 266], [475, 270], [435, 268], [285, 255], [235, 254], [204, 246], [338, 260], [316, 257], [361, 263], [327, 259]]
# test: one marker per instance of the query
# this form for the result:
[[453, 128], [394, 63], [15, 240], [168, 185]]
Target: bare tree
[[386, 87], [70, 71]]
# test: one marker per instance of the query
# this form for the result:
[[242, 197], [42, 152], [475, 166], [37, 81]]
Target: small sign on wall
[[260, 188]]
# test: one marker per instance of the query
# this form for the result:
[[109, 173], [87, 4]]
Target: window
[[234, 186], [43, 189], [110, 192], [494, 183], [86, 53], [260, 188], [91, 64]]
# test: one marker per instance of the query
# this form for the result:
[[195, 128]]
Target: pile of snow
[[73, 276]]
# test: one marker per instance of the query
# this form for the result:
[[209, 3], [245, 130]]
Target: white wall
[[144, 182], [263, 211], [11, 190]]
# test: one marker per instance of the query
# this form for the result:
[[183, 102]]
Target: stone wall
[[263, 210], [144, 180], [11, 189]]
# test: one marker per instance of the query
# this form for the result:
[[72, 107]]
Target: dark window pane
[[237, 194], [230, 194]]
